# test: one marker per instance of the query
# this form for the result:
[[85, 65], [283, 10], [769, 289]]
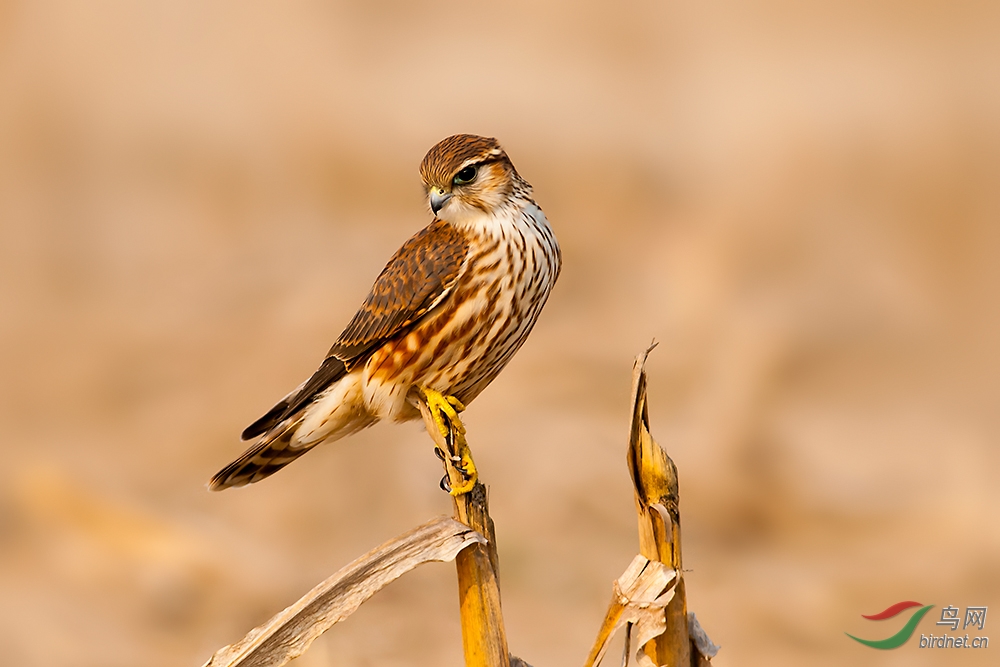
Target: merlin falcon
[[442, 320]]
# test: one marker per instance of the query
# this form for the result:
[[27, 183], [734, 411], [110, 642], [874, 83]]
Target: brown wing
[[415, 280]]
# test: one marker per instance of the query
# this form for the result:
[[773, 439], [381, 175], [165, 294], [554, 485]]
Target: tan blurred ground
[[800, 201]]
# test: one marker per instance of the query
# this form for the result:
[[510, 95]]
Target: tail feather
[[302, 420], [263, 459], [267, 422], [331, 370]]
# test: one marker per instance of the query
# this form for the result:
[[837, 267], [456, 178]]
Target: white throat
[[497, 223]]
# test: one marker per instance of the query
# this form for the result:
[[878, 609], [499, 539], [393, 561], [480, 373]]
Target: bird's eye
[[467, 175]]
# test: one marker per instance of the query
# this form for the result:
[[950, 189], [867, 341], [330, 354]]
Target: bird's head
[[466, 176]]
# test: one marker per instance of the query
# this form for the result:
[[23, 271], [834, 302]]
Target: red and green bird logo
[[900, 638]]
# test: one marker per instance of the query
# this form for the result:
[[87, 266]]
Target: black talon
[[438, 452], [445, 486]]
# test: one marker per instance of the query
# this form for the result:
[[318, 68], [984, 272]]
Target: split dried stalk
[[640, 596], [654, 477], [484, 638], [288, 634], [649, 598]]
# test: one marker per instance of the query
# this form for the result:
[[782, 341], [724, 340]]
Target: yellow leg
[[441, 405]]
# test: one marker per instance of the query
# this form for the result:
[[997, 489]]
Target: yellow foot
[[448, 405], [441, 406], [467, 467]]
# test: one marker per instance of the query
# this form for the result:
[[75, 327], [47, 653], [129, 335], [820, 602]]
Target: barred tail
[[263, 459]]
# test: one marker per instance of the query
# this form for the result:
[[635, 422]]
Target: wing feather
[[415, 280]]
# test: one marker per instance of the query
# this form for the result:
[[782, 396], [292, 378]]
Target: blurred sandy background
[[801, 203]]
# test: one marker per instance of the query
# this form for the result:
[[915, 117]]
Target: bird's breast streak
[[461, 346]]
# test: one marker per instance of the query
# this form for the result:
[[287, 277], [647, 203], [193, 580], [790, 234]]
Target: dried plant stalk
[[654, 477], [484, 638], [288, 634], [650, 597]]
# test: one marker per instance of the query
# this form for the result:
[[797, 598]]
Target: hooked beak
[[438, 199]]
